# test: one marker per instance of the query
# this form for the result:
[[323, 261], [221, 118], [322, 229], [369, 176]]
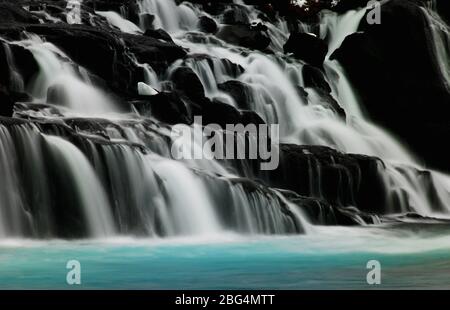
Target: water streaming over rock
[[74, 166], [62, 82], [441, 42]]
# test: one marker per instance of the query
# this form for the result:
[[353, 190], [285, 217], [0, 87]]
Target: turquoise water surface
[[331, 258]]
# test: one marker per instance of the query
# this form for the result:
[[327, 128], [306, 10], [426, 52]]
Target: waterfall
[[88, 171], [275, 98], [272, 85], [85, 187], [81, 176], [440, 40], [118, 21], [16, 83], [335, 29], [168, 15], [65, 82], [13, 215]]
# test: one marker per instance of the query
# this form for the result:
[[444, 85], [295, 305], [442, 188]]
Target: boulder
[[207, 24], [6, 102], [187, 82], [340, 179], [232, 69], [101, 52], [20, 60], [236, 15], [159, 34], [314, 77], [307, 47], [392, 66], [147, 20], [220, 113], [105, 52], [13, 13], [244, 35], [168, 107], [154, 50], [239, 91]]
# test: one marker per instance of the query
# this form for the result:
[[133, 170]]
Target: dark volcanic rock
[[393, 68], [207, 24], [313, 77], [220, 113], [244, 35], [320, 212], [152, 50], [158, 34], [12, 13], [239, 91], [15, 58], [232, 69], [340, 179], [147, 21], [187, 81], [251, 117], [168, 107], [17, 68], [307, 47], [236, 15], [104, 53], [128, 7], [6, 102], [100, 52]]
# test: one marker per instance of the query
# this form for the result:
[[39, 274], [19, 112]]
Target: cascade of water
[[440, 40], [168, 15], [16, 82], [91, 194], [58, 71], [180, 197], [13, 215], [118, 21], [121, 185], [103, 189], [276, 99], [335, 28]]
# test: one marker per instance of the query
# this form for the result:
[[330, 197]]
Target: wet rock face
[[6, 102], [186, 81], [207, 24], [11, 13], [235, 15], [404, 81], [343, 179], [239, 91], [101, 51], [389, 65], [244, 35], [15, 59], [168, 107], [17, 68], [314, 78], [307, 47]]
